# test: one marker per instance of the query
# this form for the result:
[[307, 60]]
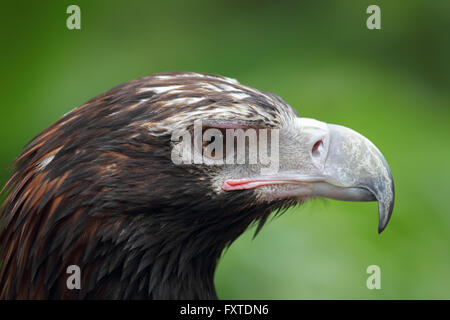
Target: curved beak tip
[[385, 212], [353, 160]]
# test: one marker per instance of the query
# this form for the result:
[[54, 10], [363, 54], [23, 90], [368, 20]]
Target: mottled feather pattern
[[98, 189]]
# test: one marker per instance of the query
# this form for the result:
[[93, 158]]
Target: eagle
[[100, 188]]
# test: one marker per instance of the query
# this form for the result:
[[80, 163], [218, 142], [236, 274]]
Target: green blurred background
[[392, 85]]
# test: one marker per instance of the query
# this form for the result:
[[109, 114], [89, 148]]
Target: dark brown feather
[[97, 189]]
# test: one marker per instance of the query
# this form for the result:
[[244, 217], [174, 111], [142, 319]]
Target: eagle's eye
[[240, 144], [214, 143]]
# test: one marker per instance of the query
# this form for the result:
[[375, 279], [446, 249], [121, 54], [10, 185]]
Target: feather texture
[[97, 189]]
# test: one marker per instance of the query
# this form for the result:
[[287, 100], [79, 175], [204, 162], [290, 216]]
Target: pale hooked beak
[[343, 165]]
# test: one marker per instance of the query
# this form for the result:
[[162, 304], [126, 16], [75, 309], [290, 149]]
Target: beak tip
[[386, 202], [385, 213]]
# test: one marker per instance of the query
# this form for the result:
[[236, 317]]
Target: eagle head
[[143, 186]]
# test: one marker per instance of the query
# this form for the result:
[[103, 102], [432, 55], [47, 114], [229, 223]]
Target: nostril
[[317, 148]]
